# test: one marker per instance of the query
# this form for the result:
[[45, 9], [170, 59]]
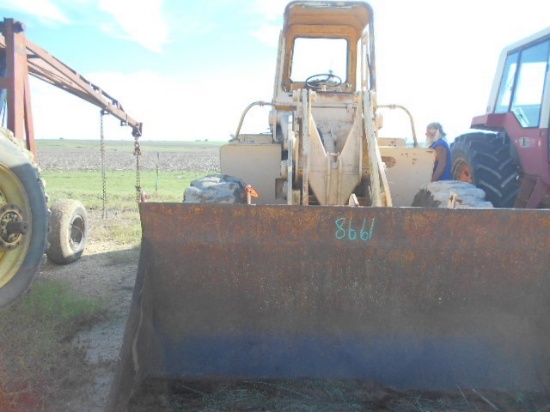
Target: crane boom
[[21, 58]]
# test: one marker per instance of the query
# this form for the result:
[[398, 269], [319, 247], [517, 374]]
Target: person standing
[[435, 139]]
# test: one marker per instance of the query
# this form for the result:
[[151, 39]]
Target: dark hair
[[437, 126]]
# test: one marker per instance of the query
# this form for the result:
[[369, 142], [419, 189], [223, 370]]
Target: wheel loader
[[508, 154], [330, 273], [29, 227]]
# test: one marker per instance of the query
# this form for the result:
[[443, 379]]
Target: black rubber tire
[[437, 194], [68, 231], [493, 166], [20, 185]]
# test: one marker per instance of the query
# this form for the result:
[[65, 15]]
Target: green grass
[[53, 302], [87, 187], [36, 339], [121, 223]]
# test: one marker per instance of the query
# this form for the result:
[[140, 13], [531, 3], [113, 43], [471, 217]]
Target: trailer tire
[[68, 231], [22, 199], [451, 194], [487, 161]]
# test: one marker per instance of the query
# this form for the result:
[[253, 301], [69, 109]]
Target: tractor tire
[[451, 194], [23, 206], [68, 231], [486, 160]]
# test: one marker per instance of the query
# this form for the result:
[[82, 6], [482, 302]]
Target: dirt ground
[[106, 270]]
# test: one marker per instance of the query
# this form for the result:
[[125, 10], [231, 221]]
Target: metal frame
[[23, 58]]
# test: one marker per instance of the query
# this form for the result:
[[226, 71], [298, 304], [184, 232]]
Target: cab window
[[315, 56], [523, 83]]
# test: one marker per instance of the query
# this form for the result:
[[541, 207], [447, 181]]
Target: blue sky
[[187, 69]]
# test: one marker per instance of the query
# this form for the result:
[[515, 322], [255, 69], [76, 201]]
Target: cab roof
[[355, 14]]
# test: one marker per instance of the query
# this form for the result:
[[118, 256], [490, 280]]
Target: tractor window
[[525, 95], [530, 84], [315, 56], [507, 84]]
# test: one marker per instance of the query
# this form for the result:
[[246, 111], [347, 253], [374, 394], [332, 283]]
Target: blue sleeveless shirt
[[447, 172]]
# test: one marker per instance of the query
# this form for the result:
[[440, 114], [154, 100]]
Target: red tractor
[[509, 155]]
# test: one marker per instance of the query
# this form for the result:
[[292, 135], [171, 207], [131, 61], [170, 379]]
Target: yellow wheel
[[23, 219]]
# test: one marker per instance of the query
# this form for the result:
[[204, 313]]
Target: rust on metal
[[412, 298]]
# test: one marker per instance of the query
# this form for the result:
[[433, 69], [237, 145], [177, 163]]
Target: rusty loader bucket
[[411, 298]]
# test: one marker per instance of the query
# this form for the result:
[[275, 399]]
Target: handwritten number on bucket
[[346, 229]]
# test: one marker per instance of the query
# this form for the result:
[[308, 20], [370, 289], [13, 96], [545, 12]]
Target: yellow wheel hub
[[15, 224]]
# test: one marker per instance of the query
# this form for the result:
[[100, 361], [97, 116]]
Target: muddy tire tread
[[494, 169]]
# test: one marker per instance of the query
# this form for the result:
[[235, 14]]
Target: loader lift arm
[[22, 57]]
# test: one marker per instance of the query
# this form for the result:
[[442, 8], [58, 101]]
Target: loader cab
[[324, 148], [325, 49], [320, 49]]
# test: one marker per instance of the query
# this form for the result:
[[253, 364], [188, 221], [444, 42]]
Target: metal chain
[[103, 172], [137, 154]]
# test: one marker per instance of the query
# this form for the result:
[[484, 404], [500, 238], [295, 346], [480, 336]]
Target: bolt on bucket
[[408, 297]]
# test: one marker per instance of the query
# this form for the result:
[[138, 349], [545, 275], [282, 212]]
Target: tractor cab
[[510, 160]]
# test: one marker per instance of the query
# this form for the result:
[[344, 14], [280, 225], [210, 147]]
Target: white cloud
[[170, 107], [139, 21], [270, 9], [268, 35], [44, 10]]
